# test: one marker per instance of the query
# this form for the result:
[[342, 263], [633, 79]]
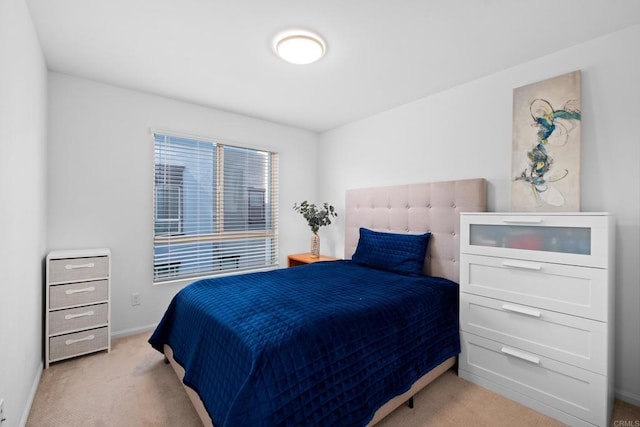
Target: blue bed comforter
[[323, 344]]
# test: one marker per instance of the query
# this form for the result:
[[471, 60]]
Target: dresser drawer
[[576, 239], [572, 390], [74, 269], [64, 346], [72, 319], [570, 339], [580, 291], [78, 293]]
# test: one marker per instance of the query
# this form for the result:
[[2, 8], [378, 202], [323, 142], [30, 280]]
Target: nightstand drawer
[[72, 319], [575, 391], [74, 269], [69, 345], [570, 339], [78, 293], [580, 291]]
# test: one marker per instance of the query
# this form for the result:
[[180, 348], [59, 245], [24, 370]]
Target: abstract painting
[[545, 165]]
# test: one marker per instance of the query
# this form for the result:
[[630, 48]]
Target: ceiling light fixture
[[299, 47]]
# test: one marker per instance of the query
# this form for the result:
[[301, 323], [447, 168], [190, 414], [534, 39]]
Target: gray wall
[[465, 132], [98, 166], [23, 81], [100, 180]]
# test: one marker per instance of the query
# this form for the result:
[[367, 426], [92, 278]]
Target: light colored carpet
[[132, 386]]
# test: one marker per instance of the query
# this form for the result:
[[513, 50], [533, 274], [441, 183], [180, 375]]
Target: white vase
[[315, 245]]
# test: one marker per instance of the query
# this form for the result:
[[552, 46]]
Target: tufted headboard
[[417, 208]]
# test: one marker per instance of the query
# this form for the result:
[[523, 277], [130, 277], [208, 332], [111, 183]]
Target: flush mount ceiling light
[[299, 47]]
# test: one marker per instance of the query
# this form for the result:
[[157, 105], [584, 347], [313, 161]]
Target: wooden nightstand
[[302, 259]]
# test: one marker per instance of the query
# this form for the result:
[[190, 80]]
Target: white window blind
[[215, 208]]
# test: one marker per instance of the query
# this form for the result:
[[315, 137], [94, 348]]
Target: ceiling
[[381, 53]]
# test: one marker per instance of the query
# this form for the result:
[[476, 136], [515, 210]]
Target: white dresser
[[536, 310], [77, 312]]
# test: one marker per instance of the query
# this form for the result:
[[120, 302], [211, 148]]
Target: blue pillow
[[400, 253]]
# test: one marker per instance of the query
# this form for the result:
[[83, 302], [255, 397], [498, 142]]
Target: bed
[[331, 343]]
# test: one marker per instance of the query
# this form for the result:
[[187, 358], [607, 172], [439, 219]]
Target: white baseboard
[[32, 395], [133, 331], [628, 397]]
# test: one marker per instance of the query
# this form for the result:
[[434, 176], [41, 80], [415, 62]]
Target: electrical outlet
[[135, 299], [3, 417]]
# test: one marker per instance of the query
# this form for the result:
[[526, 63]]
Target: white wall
[[465, 132], [23, 79], [101, 180]]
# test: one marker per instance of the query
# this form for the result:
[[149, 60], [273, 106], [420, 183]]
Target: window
[[168, 197], [215, 208], [256, 207]]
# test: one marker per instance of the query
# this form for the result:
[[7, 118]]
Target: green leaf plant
[[315, 217]]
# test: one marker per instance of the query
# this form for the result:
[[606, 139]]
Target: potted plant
[[316, 218]]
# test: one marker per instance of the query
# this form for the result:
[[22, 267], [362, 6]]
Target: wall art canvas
[[545, 166]]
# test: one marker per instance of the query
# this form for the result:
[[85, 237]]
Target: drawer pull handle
[[73, 316], [77, 291], [525, 266], [522, 220], [87, 338], [521, 310], [74, 266], [521, 355]]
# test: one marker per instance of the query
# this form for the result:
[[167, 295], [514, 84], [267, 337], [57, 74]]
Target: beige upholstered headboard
[[417, 208]]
